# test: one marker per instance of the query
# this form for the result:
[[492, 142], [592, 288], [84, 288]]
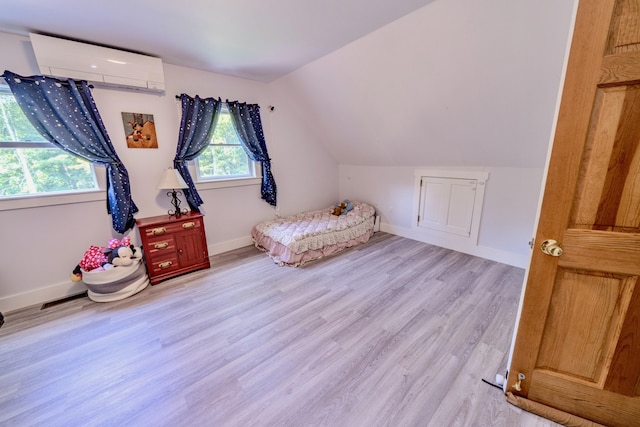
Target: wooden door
[[578, 338]]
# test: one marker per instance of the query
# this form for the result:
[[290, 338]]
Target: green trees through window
[[30, 165], [224, 158]]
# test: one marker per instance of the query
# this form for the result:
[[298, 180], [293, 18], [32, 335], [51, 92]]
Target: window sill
[[40, 200], [226, 183]]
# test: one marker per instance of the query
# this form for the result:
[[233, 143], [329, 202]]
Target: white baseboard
[[230, 245], [41, 296], [63, 290], [459, 245]]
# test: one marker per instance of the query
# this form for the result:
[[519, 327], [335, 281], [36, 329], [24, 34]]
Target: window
[[31, 166], [224, 158]]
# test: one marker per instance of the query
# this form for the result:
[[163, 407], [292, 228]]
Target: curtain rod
[[178, 96], [271, 107], [62, 82]]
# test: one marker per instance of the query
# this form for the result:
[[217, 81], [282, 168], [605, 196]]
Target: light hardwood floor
[[391, 333]]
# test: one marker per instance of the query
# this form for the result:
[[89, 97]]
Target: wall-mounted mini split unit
[[96, 64]]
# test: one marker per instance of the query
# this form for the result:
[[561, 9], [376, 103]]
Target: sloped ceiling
[[456, 83], [253, 39], [376, 82]]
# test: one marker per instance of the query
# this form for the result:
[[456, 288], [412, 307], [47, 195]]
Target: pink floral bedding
[[308, 236]]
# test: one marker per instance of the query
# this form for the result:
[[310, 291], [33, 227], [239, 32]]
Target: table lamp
[[171, 180]]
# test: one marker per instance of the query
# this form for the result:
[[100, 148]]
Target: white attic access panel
[[449, 202]]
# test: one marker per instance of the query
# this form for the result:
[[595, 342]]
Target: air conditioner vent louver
[[96, 64]]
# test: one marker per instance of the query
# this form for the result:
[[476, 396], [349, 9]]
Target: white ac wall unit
[[96, 64]]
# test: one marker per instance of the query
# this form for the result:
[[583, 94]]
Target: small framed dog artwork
[[140, 130]]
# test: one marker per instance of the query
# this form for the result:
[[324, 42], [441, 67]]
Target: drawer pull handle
[[165, 264], [161, 245], [157, 231], [189, 224]]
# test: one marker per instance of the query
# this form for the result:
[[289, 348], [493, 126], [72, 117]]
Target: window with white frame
[[224, 158], [30, 165]]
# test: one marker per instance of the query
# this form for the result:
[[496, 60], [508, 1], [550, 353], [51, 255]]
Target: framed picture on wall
[[140, 130]]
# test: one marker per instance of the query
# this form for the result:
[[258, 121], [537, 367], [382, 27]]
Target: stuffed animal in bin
[[76, 274], [93, 258], [115, 243], [123, 255], [98, 258]]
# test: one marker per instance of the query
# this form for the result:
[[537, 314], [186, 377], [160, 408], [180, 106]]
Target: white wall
[[458, 83], [506, 224], [43, 245], [313, 168]]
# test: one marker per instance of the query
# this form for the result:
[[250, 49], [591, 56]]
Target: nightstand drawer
[[161, 246], [173, 227], [164, 265]]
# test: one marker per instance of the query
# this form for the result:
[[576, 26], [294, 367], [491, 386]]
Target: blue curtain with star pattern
[[199, 119], [246, 120], [65, 113]]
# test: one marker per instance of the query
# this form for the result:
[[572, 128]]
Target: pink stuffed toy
[[114, 243], [93, 258], [97, 256]]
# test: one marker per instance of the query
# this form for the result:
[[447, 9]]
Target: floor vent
[[63, 300]]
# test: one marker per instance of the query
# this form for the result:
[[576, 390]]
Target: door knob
[[551, 247]]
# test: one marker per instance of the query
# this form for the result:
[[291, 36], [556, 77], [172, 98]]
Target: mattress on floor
[[307, 236]]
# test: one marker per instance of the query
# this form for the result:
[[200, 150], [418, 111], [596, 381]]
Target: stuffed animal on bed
[[342, 207]]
